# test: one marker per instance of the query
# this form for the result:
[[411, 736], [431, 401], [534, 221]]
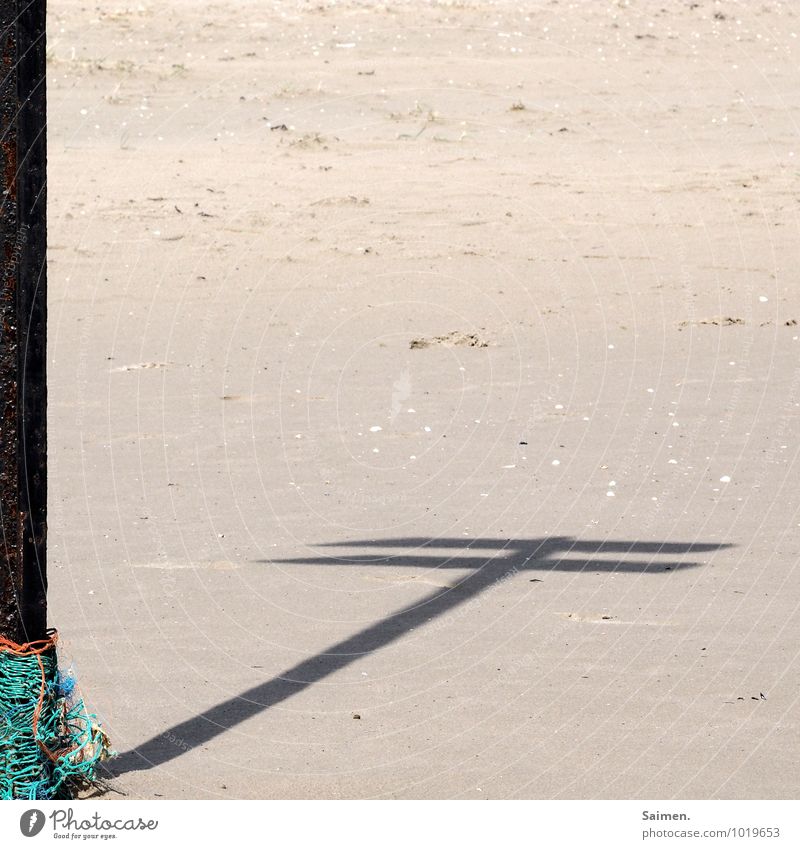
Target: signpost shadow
[[488, 561]]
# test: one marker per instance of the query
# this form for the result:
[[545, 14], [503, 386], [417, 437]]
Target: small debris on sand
[[451, 340], [726, 321], [341, 201], [137, 366], [717, 321]]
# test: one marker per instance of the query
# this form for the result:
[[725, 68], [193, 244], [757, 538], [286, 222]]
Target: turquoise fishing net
[[50, 745]]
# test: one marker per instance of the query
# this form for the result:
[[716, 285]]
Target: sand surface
[[425, 404]]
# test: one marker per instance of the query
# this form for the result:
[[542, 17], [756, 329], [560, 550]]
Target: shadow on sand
[[489, 562]]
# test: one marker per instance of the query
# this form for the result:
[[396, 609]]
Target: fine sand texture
[[424, 395]]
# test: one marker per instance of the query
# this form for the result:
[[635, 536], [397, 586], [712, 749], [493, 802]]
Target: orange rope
[[34, 647]]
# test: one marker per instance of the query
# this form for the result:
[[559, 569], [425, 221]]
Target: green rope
[[64, 728]]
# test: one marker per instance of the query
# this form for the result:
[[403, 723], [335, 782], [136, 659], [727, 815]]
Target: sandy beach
[[424, 395]]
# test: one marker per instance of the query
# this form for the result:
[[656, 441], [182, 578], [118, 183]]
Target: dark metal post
[[23, 322]]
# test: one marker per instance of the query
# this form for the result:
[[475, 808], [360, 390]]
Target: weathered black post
[[49, 744], [23, 321]]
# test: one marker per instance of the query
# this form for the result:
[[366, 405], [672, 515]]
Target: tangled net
[[49, 744]]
